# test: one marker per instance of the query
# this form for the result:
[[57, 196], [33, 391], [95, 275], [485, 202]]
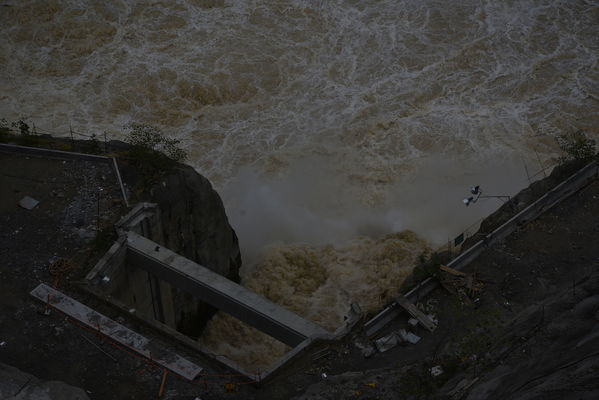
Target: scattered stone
[[28, 203], [433, 318], [436, 370], [387, 342], [366, 349], [408, 336]]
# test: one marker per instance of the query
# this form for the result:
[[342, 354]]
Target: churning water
[[329, 127]]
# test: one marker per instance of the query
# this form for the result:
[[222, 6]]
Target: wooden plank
[[451, 271], [116, 331], [416, 313]]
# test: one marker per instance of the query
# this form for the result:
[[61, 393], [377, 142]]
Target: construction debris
[[408, 336], [367, 350], [387, 342], [28, 203], [451, 271], [394, 338], [464, 285], [433, 318], [416, 313], [412, 322]]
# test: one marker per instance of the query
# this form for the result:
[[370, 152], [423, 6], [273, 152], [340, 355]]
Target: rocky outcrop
[[194, 221], [558, 362], [194, 225], [18, 385]]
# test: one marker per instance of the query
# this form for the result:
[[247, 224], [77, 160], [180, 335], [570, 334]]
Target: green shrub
[[151, 147], [575, 146], [428, 265], [18, 131], [94, 147], [22, 126]]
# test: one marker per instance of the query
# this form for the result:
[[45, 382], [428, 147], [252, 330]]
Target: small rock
[[408, 336], [368, 351], [28, 203]]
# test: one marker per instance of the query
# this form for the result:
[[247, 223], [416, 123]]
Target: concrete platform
[[220, 292], [116, 332]]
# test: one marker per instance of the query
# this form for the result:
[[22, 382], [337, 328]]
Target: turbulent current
[[333, 129]]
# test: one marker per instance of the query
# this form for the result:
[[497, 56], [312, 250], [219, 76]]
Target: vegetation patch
[[575, 146], [152, 148]]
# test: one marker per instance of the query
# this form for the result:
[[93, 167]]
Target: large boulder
[[18, 385]]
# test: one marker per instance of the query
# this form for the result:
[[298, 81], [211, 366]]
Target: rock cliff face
[[194, 222], [195, 225]]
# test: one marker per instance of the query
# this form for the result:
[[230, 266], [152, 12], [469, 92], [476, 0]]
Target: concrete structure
[[141, 276], [220, 292], [116, 332]]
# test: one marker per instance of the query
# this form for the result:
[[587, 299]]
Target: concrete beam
[[220, 292], [116, 332]]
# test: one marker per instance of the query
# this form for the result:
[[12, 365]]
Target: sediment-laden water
[[329, 127]]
